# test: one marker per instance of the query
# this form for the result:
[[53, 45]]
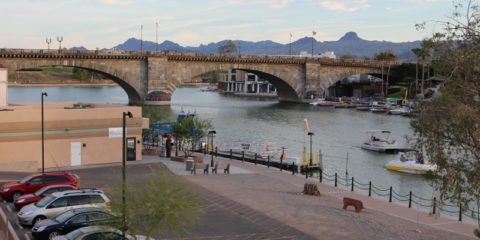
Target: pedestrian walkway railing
[[433, 205]]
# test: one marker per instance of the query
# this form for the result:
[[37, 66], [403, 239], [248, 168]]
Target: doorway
[[131, 149]]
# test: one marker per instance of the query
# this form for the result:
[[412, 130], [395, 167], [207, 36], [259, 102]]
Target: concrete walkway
[[277, 194]]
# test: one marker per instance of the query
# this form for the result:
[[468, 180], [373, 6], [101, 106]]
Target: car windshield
[[64, 216], [74, 234], [40, 191], [45, 201], [24, 180]]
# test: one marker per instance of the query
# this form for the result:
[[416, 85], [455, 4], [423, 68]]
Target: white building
[[240, 82]]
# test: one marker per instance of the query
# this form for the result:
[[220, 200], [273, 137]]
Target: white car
[[60, 202]]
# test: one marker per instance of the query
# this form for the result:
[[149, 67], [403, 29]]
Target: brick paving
[[277, 195]]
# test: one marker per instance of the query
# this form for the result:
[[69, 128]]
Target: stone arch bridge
[[152, 77]]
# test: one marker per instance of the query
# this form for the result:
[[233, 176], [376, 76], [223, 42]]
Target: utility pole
[[156, 36], [141, 38], [290, 44], [313, 38]]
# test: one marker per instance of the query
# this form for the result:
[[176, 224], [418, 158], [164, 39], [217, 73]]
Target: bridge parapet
[[190, 56]]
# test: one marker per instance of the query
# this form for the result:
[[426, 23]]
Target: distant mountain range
[[350, 44]]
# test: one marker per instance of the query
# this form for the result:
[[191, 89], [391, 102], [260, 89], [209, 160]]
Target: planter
[[178, 159]]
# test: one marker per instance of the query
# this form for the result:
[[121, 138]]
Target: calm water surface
[[338, 132]]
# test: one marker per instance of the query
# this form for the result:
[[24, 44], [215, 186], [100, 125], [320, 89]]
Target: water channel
[[338, 132]]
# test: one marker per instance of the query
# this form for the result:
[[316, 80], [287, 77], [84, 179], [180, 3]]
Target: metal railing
[[433, 205]]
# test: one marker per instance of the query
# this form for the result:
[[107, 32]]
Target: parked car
[[41, 193], [60, 202], [71, 220], [30, 184], [99, 232]]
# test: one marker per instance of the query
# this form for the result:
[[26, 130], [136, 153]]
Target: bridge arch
[[284, 90], [129, 75]]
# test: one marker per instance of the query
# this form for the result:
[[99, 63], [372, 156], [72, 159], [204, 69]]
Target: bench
[[199, 166], [226, 170], [352, 202]]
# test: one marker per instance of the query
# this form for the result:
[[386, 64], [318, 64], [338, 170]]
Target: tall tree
[[448, 125], [229, 48]]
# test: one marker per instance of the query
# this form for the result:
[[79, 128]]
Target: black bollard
[[390, 197], [243, 156], [306, 172], [255, 161], [410, 200], [352, 184], [335, 179], [268, 161], [216, 151], [281, 164], [320, 175], [460, 213], [370, 188], [293, 168], [434, 210]]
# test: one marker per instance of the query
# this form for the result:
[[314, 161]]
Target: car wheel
[[16, 194], [37, 219], [53, 234]]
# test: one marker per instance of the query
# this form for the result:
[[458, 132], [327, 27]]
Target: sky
[[107, 23]]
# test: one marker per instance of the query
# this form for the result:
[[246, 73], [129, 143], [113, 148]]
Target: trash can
[[189, 164], [163, 151]]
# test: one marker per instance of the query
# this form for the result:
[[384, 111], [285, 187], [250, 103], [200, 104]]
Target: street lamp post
[[44, 94], [211, 133], [311, 153], [124, 173]]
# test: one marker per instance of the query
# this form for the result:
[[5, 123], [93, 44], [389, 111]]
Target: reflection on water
[[338, 132], [97, 94]]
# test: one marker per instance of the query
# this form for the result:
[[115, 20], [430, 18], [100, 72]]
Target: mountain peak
[[350, 36]]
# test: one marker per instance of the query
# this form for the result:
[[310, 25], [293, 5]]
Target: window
[[78, 200], [36, 181], [97, 216], [104, 236], [81, 218], [61, 202], [56, 179], [96, 199]]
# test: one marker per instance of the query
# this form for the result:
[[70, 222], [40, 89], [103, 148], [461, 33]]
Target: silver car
[[60, 202], [99, 232]]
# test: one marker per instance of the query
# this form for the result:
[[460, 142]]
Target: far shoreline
[[62, 85]]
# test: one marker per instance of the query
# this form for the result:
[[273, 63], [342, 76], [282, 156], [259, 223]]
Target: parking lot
[[222, 218]]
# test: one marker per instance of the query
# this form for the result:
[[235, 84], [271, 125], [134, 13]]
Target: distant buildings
[[242, 83]]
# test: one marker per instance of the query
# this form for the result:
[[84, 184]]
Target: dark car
[[40, 193], [71, 220], [30, 184]]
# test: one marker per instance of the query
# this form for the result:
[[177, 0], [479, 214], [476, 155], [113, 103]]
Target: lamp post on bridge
[[124, 173], [48, 41], [44, 94], [60, 40]]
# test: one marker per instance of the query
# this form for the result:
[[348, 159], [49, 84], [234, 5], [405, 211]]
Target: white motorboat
[[404, 111], [321, 102], [408, 163], [378, 140]]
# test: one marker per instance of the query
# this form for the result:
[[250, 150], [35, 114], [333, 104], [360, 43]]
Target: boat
[[403, 110], [407, 163], [378, 140], [378, 107], [321, 102]]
